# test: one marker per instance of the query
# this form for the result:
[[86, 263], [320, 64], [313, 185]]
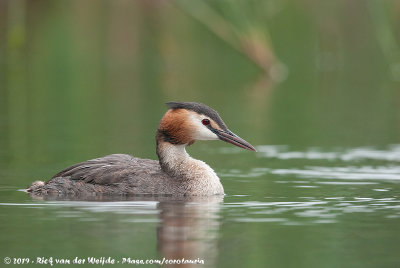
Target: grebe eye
[[205, 122]]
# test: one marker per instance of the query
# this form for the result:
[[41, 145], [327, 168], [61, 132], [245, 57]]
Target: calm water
[[313, 85], [337, 208]]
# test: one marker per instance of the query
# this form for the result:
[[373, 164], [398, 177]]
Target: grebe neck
[[177, 164], [174, 160]]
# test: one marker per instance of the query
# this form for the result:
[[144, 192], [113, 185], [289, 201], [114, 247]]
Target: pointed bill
[[234, 139]]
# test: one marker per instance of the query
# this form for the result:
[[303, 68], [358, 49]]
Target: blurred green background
[[91, 77], [82, 79]]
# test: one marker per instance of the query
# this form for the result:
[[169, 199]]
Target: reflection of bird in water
[[189, 230], [175, 173]]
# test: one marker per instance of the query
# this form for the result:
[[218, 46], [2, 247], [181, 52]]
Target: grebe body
[[176, 173]]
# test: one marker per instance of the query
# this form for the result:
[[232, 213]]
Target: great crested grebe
[[176, 173]]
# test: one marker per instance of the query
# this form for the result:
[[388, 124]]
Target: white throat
[[176, 162], [173, 157]]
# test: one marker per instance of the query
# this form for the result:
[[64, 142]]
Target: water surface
[[314, 85], [317, 206]]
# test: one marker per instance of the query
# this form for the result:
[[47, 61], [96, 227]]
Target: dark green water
[[314, 86]]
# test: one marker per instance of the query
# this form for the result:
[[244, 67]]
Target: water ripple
[[324, 211], [392, 153], [347, 173]]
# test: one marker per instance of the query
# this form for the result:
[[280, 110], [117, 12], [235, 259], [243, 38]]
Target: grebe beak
[[234, 139]]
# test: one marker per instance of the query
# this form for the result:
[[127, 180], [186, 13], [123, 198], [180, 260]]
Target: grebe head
[[186, 122]]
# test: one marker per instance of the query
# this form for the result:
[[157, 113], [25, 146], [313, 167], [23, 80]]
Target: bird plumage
[[176, 173]]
